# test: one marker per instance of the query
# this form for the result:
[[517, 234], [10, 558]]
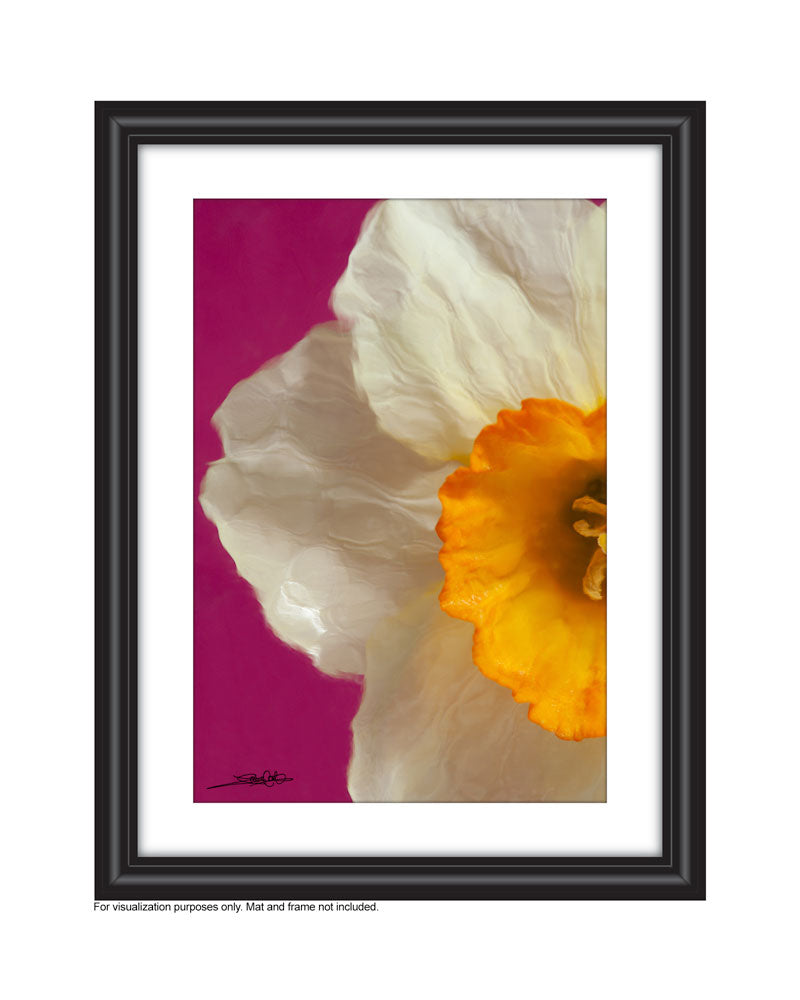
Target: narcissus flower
[[462, 392]]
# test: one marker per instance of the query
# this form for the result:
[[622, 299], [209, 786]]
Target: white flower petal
[[461, 309], [432, 728], [330, 520]]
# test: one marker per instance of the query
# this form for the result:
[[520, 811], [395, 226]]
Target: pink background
[[263, 274]]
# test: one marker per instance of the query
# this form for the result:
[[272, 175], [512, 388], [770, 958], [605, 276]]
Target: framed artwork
[[369, 378]]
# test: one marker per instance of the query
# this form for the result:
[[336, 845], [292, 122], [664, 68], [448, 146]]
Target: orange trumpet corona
[[523, 532]]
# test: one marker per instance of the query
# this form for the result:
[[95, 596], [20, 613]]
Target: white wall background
[[58, 58]]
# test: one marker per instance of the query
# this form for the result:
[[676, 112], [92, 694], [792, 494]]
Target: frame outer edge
[[113, 522], [692, 509], [119, 873]]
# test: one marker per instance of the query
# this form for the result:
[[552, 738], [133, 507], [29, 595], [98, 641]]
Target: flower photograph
[[400, 512]]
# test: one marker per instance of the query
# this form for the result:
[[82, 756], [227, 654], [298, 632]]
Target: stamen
[[582, 527], [594, 575], [588, 505], [596, 570]]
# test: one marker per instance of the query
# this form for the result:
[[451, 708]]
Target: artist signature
[[268, 778]]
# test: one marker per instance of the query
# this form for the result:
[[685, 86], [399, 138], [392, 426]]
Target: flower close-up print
[[415, 495]]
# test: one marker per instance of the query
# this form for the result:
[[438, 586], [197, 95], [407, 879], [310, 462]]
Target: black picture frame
[[679, 873]]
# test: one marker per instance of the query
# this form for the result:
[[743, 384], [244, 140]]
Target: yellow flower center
[[524, 570]]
